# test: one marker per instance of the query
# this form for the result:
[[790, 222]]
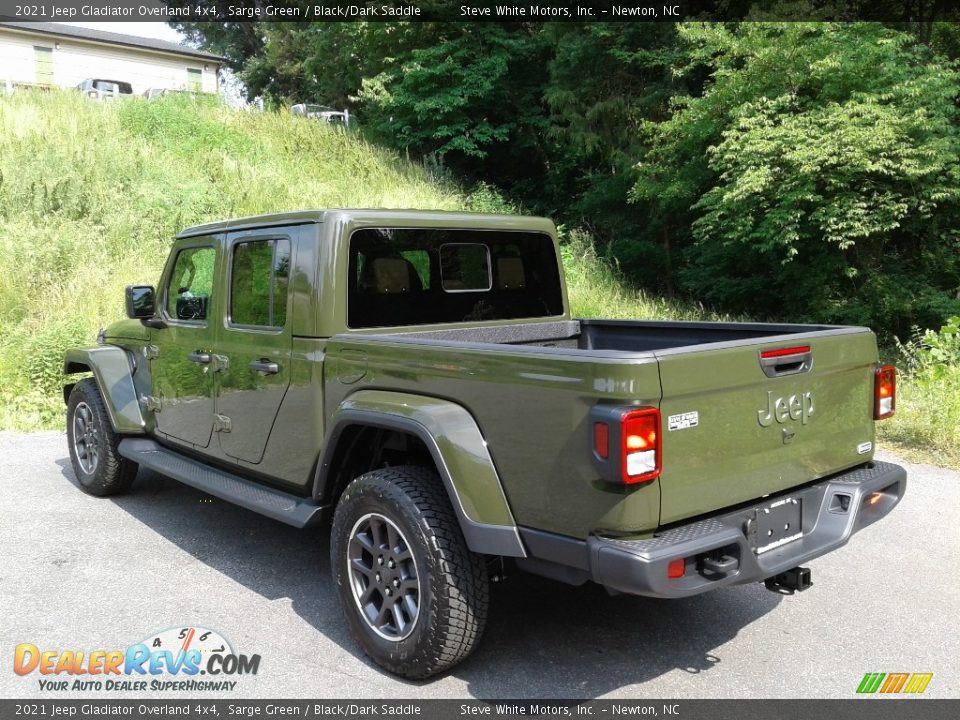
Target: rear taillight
[[640, 445], [626, 443], [884, 392]]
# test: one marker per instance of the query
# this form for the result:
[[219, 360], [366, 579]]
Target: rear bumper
[[831, 511]]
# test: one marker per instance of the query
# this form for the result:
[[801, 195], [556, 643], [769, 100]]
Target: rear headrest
[[394, 275], [510, 275]]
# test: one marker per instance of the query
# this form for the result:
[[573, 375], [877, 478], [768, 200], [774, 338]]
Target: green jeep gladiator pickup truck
[[415, 380]]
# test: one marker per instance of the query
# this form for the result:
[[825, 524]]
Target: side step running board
[[290, 509]]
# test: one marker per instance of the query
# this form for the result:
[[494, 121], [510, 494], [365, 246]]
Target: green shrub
[[928, 396]]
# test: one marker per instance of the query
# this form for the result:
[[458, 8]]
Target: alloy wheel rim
[[383, 577], [86, 438]]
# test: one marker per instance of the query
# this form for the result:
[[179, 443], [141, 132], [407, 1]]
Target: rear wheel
[[99, 468], [414, 595]]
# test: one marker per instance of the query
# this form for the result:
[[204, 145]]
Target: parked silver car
[[100, 89], [322, 113], [154, 93]]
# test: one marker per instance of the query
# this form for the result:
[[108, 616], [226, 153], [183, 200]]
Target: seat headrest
[[510, 275], [394, 275]]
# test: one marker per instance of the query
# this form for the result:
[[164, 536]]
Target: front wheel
[[414, 595], [99, 468]]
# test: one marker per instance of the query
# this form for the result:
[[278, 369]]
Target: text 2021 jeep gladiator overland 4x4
[[416, 380]]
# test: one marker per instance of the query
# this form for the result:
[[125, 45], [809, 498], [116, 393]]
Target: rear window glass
[[422, 276], [465, 268]]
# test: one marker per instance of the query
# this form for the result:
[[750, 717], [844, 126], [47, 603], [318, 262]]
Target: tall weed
[[928, 396]]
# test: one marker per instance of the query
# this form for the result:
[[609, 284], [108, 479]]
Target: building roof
[[110, 38]]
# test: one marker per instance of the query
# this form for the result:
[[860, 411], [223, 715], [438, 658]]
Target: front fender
[[111, 370], [459, 453]]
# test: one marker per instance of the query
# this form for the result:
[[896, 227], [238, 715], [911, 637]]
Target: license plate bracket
[[778, 523]]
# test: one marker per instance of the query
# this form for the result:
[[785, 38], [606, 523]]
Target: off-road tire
[[92, 442], [453, 588]]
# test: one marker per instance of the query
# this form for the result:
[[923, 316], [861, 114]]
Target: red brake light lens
[[885, 392], [783, 352], [640, 445]]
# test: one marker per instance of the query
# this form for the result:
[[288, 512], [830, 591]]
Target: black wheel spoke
[[358, 565], [382, 616], [410, 605], [392, 538], [376, 532], [367, 594], [396, 612]]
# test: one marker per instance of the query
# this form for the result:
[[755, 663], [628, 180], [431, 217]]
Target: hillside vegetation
[[91, 195]]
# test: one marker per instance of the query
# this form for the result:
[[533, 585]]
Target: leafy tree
[[607, 80], [461, 94], [817, 174]]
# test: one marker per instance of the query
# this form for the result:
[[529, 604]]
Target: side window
[[191, 284], [258, 283]]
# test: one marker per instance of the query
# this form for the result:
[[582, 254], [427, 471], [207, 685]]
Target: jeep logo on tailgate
[[796, 407]]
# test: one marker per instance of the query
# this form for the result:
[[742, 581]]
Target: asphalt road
[[81, 573]]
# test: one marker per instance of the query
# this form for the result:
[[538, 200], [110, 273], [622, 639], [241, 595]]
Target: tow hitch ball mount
[[787, 583]]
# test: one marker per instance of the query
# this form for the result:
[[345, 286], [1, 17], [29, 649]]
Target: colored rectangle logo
[[894, 683]]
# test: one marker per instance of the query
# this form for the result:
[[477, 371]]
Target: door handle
[[265, 366], [201, 358]]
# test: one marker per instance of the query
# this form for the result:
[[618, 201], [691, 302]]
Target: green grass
[[92, 193], [926, 426], [595, 289]]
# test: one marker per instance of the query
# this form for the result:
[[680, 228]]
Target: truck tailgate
[[753, 434]]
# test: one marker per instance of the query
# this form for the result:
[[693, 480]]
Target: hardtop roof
[[377, 217]]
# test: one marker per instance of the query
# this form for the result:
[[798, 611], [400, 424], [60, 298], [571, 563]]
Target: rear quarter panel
[[532, 407]]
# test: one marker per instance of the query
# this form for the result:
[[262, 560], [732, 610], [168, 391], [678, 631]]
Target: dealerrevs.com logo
[[187, 659]]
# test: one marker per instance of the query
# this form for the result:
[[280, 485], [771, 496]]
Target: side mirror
[[140, 301]]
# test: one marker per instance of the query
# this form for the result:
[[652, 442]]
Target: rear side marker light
[[676, 568], [601, 440], [884, 392]]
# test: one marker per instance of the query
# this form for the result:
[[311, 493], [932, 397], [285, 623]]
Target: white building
[[53, 54]]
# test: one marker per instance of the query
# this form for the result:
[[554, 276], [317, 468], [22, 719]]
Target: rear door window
[[259, 279]]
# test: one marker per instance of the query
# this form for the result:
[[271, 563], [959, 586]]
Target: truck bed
[[631, 336], [531, 388]]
